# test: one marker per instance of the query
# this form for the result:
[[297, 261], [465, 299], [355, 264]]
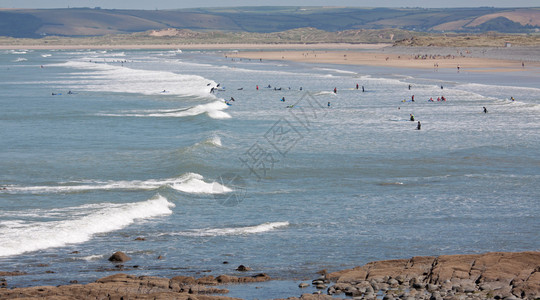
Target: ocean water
[[100, 148]]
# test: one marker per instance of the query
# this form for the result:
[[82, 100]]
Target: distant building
[[507, 44]]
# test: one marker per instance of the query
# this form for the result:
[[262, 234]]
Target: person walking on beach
[[485, 110]]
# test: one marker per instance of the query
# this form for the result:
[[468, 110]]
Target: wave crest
[[188, 183], [108, 217], [265, 227]]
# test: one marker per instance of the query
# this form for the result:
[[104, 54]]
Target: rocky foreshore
[[123, 286], [497, 275]]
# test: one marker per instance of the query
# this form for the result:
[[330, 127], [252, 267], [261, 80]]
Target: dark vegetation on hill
[[35, 23]]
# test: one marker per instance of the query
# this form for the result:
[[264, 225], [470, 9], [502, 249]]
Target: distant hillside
[[95, 22], [177, 38]]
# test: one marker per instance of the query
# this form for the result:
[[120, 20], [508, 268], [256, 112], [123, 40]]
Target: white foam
[[91, 257], [324, 93], [195, 184], [118, 79], [109, 217], [265, 227], [216, 141], [214, 110], [19, 59], [489, 87], [188, 183]]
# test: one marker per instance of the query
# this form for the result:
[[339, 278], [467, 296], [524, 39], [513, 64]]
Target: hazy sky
[[172, 4]]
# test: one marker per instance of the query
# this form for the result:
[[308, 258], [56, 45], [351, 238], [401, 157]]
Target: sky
[[174, 4]]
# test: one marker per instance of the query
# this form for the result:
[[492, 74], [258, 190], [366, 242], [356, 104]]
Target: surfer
[[485, 109], [283, 99], [328, 103], [232, 99], [419, 126], [363, 89], [512, 98], [412, 117], [357, 86], [290, 106], [335, 90], [409, 86]]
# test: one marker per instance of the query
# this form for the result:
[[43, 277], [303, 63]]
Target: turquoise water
[[141, 148]]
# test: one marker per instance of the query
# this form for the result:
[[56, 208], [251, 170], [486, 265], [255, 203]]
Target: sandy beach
[[382, 59], [382, 55]]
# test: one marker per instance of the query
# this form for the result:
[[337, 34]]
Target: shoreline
[[481, 59], [233, 46], [499, 275], [384, 58]]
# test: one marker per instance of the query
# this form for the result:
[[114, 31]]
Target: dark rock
[[140, 239], [243, 268], [16, 273], [119, 257]]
